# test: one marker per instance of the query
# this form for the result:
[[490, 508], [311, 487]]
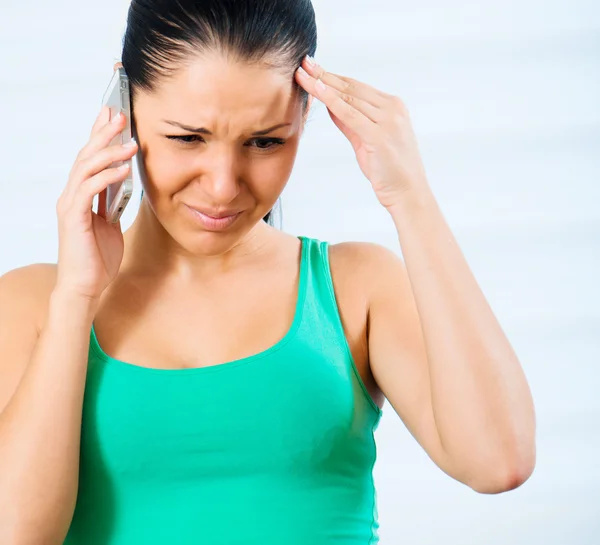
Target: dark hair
[[162, 35]]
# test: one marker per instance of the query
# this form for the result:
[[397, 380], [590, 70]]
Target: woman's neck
[[151, 250]]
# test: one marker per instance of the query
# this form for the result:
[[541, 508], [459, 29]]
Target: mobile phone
[[116, 97]]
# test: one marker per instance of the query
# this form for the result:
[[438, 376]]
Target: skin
[[165, 266], [435, 346], [223, 171], [422, 334], [173, 267]]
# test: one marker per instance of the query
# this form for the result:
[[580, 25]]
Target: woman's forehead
[[216, 76], [216, 87]]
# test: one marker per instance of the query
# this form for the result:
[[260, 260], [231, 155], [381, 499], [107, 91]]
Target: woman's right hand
[[91, 249]]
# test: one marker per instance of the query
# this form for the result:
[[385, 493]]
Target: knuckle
[[61, 206], [349, 86], [352, 113], [111, 173], [84, 153], [80, 166], [398, 105], [112, 151], [113, 126], [74, 176], [85, 190], [102, 178]]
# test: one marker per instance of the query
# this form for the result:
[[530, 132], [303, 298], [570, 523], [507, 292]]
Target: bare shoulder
[[25, 292], [24, 299], [367, 265], [36, 276]]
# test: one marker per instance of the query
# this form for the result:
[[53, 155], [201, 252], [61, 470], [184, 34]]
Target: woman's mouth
[[214, 223]]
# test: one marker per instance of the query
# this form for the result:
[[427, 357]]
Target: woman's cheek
[[271, 176], [167, 171]]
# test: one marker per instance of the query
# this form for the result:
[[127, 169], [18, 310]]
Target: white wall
[[504, 97]]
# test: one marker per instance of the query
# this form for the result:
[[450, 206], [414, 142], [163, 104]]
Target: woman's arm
[[436, 348], [441, 358], [42, 379]]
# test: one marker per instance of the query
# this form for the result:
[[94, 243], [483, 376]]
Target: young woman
[[208, 379]]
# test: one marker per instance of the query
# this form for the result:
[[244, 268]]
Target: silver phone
[[116, 97]]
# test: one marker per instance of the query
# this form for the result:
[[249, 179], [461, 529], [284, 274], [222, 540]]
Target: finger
[[96, 185], [345, 108], [346, 85], [103, 159], [103, 136], [368, 110], [101, 120]]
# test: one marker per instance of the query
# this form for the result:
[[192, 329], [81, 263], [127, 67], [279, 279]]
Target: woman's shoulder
[[34, 278], [25, 291], [360, 268], [362, 252], [366, 260], [24, 298]]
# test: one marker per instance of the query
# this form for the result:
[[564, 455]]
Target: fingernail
[[131, 144], [311, 62], [117, 118], [302, 71]]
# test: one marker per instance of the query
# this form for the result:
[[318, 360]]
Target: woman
[[206, 378]]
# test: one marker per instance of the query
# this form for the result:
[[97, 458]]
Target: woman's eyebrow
[[202, 130]]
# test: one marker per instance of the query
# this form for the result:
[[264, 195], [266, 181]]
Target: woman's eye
[[185, 138], [267, 143], [263, 144]]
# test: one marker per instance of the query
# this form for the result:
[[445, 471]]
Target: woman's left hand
[[378, 127]]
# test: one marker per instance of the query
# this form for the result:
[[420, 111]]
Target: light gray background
[[504, 98]]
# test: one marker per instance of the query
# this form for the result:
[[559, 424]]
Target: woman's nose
[[220, 180]]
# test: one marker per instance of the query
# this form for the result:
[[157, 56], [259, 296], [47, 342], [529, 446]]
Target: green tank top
[[276, 448]]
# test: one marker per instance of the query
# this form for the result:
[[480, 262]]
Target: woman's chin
[[206, 242]]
